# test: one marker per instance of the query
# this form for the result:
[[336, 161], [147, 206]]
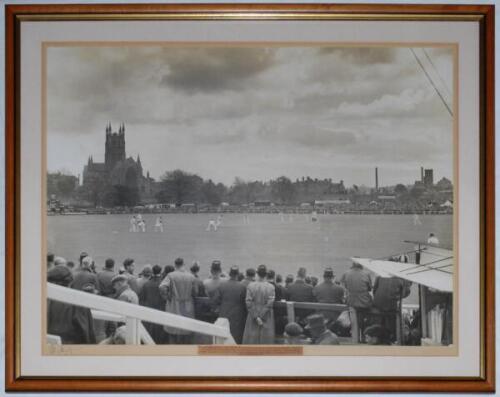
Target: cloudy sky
[[255, 112]]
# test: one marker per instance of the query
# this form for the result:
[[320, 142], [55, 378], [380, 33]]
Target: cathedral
[[118, 170]]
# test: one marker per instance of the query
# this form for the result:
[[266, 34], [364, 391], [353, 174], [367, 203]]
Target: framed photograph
[[250, 197]]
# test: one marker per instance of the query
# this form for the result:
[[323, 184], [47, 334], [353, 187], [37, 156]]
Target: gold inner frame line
[[256, 16]]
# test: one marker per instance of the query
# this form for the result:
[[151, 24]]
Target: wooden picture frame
[[16, 15]]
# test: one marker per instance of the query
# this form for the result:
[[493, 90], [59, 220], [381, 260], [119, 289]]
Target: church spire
[[138, 160]]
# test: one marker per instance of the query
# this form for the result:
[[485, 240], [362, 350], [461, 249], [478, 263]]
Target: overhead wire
[[432, 83]]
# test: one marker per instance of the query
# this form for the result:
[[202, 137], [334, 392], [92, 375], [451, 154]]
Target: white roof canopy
[[435, 269]]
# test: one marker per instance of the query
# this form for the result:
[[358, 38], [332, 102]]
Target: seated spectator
[[294, 335], [377, 335], [316, 324]]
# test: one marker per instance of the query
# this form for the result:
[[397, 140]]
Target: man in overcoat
[[230, 300]]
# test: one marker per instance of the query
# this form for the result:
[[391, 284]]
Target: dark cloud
[[283, 109], [215, 69]]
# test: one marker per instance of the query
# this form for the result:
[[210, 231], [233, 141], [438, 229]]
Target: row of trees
[[181, 187]]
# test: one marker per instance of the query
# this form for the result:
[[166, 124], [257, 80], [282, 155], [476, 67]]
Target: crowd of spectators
[[247, 299]]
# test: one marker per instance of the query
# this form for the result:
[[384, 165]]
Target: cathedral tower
[[115, 146]]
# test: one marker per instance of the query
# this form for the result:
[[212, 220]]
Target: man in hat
[[259, 327], [249, 277], [300, 291], [123, 292], [329, 292], [105, 276], [214, 280], [178, 289], [84, 276], [144, 276], [74, 324], [230, 300], [211, 284], [316, 324], [150, 297], [358, 284], [294, 335]]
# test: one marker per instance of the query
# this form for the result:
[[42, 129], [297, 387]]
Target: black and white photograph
[[250, 194]]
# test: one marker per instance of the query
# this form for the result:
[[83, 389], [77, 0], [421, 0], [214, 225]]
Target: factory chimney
[[422, 174], [376, 179]]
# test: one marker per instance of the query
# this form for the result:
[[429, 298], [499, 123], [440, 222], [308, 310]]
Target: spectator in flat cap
[[123, 292], [84, 276], [229, 298], [73, 324], [294, 335]]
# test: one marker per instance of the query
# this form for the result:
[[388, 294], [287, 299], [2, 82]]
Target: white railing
[[134, 314]]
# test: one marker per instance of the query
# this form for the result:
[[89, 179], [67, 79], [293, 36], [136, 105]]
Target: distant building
[[117, 169], [444, 184], [428, 177]]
